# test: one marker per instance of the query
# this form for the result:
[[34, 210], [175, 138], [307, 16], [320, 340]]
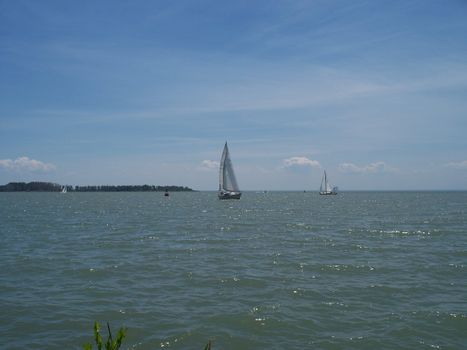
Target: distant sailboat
[[228, 187], [64, 190], [325, 188]]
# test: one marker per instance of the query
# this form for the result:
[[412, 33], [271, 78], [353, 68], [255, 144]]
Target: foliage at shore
[[131, 188], [31, 187], [110, 343], [53, 187]]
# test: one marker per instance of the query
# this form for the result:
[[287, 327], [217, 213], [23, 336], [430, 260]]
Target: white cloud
[[209, 164], [25, 164], [457, 165], [301, 161], [376, 167]]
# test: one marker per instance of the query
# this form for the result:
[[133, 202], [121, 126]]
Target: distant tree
[[31, 187], [53, 187]]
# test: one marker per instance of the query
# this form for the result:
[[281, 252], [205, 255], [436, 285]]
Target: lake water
[[276, 270]]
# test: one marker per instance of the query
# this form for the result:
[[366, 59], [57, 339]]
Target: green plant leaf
[[120, 336], [97, 335], [110, 343]]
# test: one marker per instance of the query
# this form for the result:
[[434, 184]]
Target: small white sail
[[323, 183], [228, 187], [326, 187]]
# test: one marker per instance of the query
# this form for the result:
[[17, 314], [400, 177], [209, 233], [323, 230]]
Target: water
[[277, 270]]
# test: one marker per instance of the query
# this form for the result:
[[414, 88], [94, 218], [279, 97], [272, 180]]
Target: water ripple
[[363, 270]]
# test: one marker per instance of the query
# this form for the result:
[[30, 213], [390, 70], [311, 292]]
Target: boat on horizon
[[228, 187], [64, 190], [325, 189]]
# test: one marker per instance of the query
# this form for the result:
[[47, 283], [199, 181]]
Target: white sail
[[227, 180], [228, 187], [326, 187], [323, 183]]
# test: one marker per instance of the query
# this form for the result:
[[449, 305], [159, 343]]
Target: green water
[[277, 270]]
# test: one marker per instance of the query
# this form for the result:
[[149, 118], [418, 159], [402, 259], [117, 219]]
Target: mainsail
[[228, 187], [227, 180], [325, 187], [324, 183]]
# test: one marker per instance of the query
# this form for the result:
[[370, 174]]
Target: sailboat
[[228, 187], [64, 190], [325, 188]]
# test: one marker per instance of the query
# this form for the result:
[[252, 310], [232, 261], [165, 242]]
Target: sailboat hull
[[328, 193], [229, 195]]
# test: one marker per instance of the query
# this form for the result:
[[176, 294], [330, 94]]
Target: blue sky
[[147, 92]]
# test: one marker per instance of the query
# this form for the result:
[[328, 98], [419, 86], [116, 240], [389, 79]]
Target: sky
[[148, 92]]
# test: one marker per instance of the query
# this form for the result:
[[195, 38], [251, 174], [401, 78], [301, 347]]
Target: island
[[37, 186]]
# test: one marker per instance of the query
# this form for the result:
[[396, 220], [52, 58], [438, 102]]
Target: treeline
[[53, 187], [131, 188], [31, 187]]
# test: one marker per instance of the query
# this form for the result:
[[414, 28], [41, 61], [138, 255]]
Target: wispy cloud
[[300, 162], [376, 167], [209, 165], [26, 164], [457, 165]]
